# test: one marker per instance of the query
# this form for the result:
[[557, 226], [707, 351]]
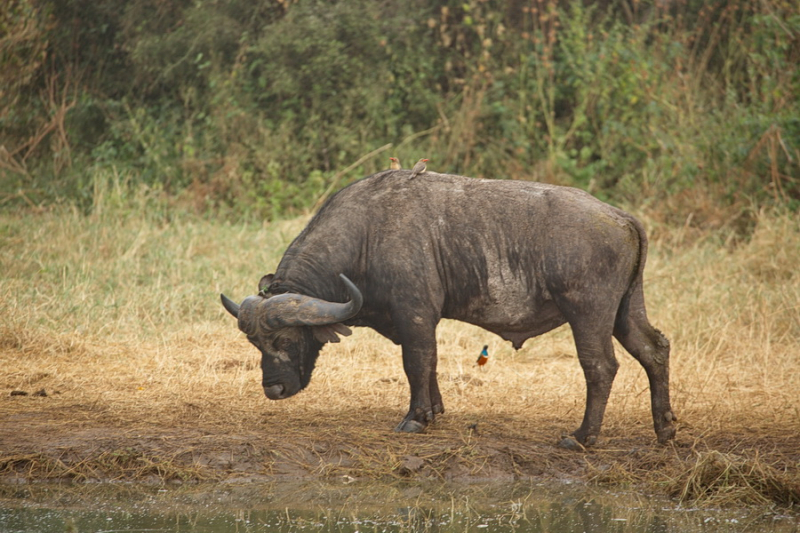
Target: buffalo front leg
[[437, 405], [596, 355], [419, 363]]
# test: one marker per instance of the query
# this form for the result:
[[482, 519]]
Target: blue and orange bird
[[483, 357]]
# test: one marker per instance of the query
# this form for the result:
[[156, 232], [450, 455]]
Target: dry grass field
[[133, 370]]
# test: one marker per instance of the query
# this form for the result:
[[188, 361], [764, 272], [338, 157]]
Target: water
[[351, 508]]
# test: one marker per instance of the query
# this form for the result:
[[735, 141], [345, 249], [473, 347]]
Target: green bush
[[257, 109]]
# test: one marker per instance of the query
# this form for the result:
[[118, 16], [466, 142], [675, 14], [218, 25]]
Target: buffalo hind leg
[[651, 348], [596, 356]]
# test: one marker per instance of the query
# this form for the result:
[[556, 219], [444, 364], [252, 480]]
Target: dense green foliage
[[257, 108]]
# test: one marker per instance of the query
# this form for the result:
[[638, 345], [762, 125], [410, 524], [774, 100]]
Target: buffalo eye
[[282, 344]]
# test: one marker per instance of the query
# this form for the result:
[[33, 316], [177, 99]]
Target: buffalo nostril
[[274, 392]]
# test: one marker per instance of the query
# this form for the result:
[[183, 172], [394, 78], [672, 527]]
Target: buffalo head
[[290, 329]]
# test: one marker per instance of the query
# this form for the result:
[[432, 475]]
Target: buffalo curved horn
[[231, 306], [247, 313], [298, 310]]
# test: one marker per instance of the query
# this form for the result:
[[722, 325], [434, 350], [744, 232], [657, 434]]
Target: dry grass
[[718, 478], [116, 316]]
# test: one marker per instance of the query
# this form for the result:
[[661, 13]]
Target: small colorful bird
[[395, 163], [419, 168], [483, 357]]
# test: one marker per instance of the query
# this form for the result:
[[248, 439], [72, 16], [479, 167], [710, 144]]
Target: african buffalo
[[516, 258]]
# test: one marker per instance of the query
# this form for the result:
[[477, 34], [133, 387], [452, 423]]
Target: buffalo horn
[[249, 312], [246, 313], [298, 310], [231, 306]]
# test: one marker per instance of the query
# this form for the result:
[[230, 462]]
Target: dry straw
[[718, 478]]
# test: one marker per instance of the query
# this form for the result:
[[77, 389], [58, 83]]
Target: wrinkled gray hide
[[515, 258]]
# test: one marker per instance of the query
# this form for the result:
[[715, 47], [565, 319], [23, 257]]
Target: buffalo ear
[[324, 334], [328, 332], [263, 285], [341, 329]]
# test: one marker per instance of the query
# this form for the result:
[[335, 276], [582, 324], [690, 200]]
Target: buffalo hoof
[[665, 435], [410, 426], [665, 431], [568, 442]]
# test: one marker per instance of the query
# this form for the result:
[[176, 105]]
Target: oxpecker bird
[[419, 168], [484, 356], [395, 163]]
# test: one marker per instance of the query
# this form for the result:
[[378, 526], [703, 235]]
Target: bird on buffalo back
[[419, 168], [395, 163], [483, 357]]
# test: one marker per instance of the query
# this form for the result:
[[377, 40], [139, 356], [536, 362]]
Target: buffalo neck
[[303, 271]]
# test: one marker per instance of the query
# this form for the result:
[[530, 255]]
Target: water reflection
[[292, 507]]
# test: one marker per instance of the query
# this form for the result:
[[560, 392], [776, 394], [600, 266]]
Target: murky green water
[[350, 508]]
